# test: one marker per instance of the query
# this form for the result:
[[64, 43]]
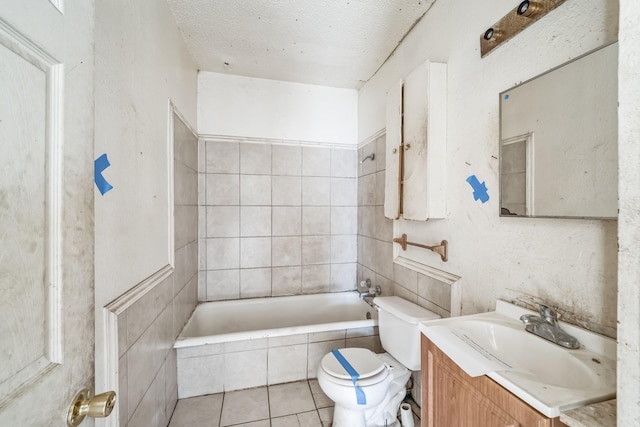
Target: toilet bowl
[[368, 388]]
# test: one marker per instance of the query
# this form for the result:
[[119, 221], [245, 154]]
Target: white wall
[[568, 262], [629, 220], [141, 62], [267, 109]]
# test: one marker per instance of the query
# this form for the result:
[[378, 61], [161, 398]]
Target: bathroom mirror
[[559, 141]]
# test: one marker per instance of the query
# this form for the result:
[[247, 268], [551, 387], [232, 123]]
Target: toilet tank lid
[[405, 310]]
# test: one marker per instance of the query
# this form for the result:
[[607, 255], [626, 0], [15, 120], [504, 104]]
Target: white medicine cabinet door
[[423, 130], [393, 152]]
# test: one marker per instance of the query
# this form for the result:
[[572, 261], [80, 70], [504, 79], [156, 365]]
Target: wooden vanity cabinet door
[[451, 398]]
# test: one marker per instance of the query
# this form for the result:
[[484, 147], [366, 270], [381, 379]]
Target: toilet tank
[[398, 328]]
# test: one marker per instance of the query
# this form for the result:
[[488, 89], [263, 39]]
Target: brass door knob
[[84, 405]]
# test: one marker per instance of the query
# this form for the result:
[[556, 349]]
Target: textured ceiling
[[339, 43]]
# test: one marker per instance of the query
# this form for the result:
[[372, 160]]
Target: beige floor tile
[[288, 421], [291, 398], [309, 419], [262, 423], [196, 411], [326, 416], [245, 406]]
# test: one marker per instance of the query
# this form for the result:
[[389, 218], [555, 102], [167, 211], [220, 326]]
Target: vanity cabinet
[[416, 136], [452, 398]]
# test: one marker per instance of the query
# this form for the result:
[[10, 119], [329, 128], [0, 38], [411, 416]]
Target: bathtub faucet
[[368, 292]]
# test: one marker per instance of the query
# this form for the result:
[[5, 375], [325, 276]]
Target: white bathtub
[[246, 319]]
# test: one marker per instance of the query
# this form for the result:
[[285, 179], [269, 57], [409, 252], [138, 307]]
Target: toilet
[[368, 388]]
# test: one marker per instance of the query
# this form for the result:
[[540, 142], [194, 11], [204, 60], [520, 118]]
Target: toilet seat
[[367, 364]]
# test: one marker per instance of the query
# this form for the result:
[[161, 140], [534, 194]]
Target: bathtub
[[246, 319], [237, 344]]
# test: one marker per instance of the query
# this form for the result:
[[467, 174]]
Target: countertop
[[601, 414]]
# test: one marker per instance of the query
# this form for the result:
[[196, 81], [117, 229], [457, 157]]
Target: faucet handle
[[366, 284], [547, 312]]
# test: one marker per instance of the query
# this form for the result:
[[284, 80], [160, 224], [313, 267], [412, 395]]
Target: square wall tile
[[286, 160], [255, 252], [344, 163], [316, 191], [223, 253], [316, 250], [245, 369], [255, 190], [255, 282], [344, 192], [223, 285], [255, 221], [344, 220], [255, 159], [344, 248], [286, 220], [222, 157], [287, 364], [286, 190], [381, 152], [223, 221], [317, 351], [316, 161], [367, 190], [316, 220], [379, 190], [222, 189], [343, 277], [285, 251], [286, 281], [435, 291], [198, 376], [406, 278], [316, 278]]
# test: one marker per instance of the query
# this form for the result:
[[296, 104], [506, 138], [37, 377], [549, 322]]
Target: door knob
[[83, 405]]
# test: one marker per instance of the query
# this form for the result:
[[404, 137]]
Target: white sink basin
[[548, 377]]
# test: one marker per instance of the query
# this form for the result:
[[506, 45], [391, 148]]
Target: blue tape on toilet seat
[[360, 396]]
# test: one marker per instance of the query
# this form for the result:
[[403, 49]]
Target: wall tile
[[286, 220], [384, 226], [245, 369], [185, 185], [383, 257], [368, 221], [223, 253], [186, 224], [222, 157], [288, 340], [123, 387], [223, 285], [344, 248], [255, 221], [379, 189], [316, 250], [286, 251], [344, 192], [381, 152], [255, 252], [287, 364], [316, 161], [367, 190], [223, 221], [344, 220], [255, 282], [286, 190], [344, 163], [316, 220], [201, 375], [286, 280], [255, 190], [286, 160], [435, 291], [316, 278], [317, 351], [343, 277], [369, 166], [406, 278], [222, 189], [316, 191], [246, 345], [255, 159]]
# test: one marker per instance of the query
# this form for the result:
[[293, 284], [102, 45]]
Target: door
[[46, 209]]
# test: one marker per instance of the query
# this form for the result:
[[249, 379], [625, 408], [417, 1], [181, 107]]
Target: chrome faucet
[[368, 292], [546, 326]]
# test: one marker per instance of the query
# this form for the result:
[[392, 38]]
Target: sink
[[547, 376]]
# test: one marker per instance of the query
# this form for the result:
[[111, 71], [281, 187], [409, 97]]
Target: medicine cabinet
[[415, 179]]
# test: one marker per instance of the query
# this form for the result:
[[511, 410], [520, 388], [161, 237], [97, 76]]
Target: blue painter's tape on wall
[[479, 189], [99, 165]]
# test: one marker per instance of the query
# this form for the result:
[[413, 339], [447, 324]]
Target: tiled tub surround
[[276, 219], [247, 352], [148, 327]]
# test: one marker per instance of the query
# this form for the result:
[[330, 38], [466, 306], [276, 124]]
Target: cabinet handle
[[395, 150], [406, 147]]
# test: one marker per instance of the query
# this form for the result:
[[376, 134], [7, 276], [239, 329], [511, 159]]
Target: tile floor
[[298, 404]]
